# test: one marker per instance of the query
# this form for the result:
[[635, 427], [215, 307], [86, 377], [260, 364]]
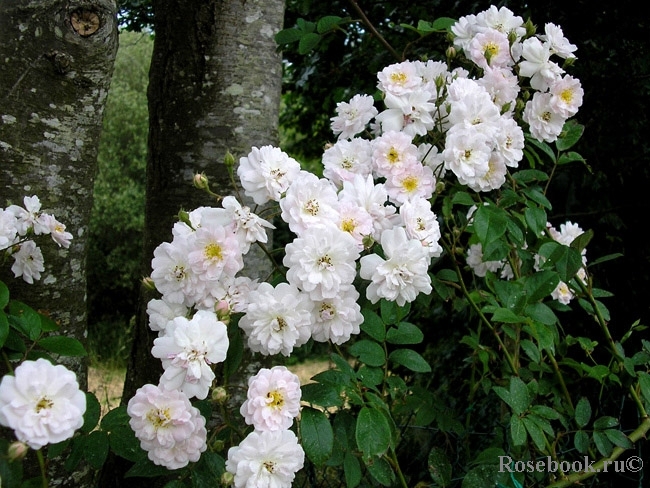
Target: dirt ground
[[106, 384]]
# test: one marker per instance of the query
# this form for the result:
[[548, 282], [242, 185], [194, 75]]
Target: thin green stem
[[560, 378], [398, 470], [41, 464], [482, 316]]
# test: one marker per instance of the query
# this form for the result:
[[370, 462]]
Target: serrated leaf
[[571, 133], [603, 444], [308, 42], [581, 441], [605, 422], [324, 395], [519, 396], [535, 432], [351, 470], [368, 352], [328, 23], [535, 220], [411, 360], [235, 351], [582, 412], [439, 467], [96, 448], [92, 414], [405, 333], [25, 319], [618, 438], [63, 345], [481, 477], [4, 295], [4, 328], [517, 431], [381, 471], [490, 223], [372, 432], [317, 436], [373, 325], [287, 36], [144, 468]]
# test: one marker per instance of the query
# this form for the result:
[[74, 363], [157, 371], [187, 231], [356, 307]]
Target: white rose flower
[[42, 403]]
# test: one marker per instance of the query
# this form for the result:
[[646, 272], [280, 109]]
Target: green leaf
[[482, 476], [25, 319], [209, 467], [351, 470], [324, 395], [63, 345], [536, 195], [535, 432], [96, 448], [517, 431], [328, 23], [410, 359], [308, 42], [536, 220], [439, 467], [490, 223], [381, 471], [582, 412], [92, 413], [570, 157], [317, 436], [618, 438], [235, 351], [544, 147], [571, 133], [644, 385], [531, 350], [144, 468], [540, 285], [287, 36], [581, 441], [373, 325], [372, 432], [115, 418], [4, 295], [541, 312], [603, 444], [125, 444], [507, 316], [368, 352], [4, 328], [519, 396], [405, 333], [605, 422]]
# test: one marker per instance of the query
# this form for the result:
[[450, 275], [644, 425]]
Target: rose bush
[[433, 196]]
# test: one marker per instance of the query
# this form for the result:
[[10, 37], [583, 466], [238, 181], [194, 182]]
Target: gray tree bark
[[56, 63], [214, 86]]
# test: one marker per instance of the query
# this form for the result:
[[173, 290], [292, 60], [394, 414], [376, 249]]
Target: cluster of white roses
[[17, 225], [270, 455], [374, 189]]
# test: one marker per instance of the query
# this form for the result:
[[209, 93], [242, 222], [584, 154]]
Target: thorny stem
[[575, 478], [612, 345], [560, 378], [374, 31]]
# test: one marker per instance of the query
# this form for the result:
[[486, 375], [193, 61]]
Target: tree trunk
[[55, 70], [214, 86]]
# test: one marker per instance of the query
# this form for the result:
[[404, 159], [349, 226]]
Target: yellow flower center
[[269, 466], [276, 400], [312, 207], [392, 156], [43, 404], [213, 251], [348, 225], [159, 417], [410, 183], [566, 96], [398, 78]]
